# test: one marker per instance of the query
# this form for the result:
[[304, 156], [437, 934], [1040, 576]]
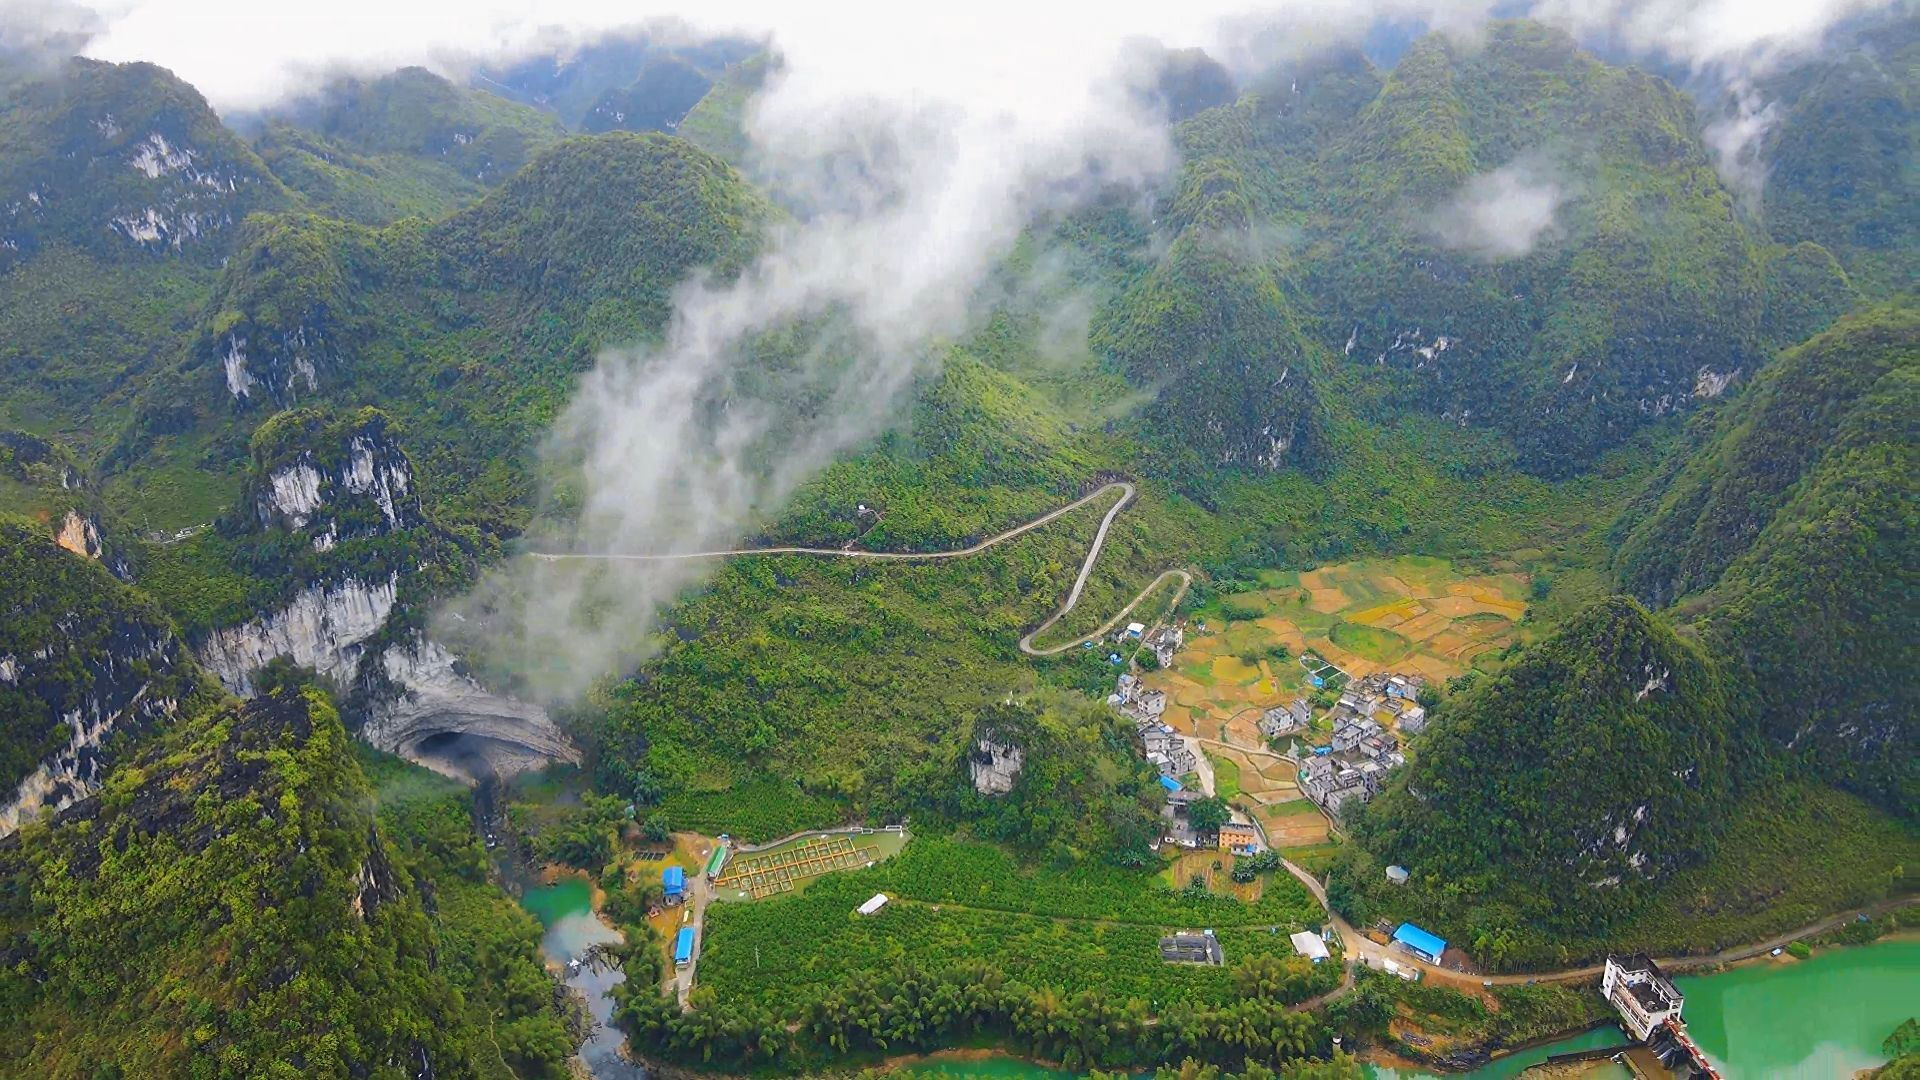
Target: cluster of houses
[[1166, 750], [1354, 766], [1369, 720]]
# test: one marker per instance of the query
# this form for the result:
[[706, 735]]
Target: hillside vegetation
[[228, 907], [1788, 541]]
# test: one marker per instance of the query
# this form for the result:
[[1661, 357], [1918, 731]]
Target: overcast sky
[[243, 53]]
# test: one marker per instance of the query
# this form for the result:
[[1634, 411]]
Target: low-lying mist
[[913, 145]]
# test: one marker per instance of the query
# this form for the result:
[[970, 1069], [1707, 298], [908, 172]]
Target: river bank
[[565, 906], [1815, 1019]]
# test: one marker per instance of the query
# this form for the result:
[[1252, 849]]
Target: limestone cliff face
[[407, 693], [428, 692], [82, 660], [322, 628], [79, 535], [333, 480]]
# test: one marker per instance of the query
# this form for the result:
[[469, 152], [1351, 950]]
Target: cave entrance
[[471, 757]]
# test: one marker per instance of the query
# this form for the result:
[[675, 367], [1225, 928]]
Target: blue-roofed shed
[[673, 882], [683, 947], [1426, 946], [1170, 783]]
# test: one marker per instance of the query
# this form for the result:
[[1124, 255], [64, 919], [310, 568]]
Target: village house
[[1362, 735], [1413, 720], [1165, 642], [1188, 947], [1331, 783], [1167, 751], [1284, 719], [1240, 838], [1134, 700], [1179, 831]]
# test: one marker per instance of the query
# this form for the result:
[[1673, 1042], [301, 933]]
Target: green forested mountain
[[1781, 543], [406, 143], [1497, 303], [1809, 522], [1537, 239], [229, 907], [1209, 331], [470, 328], [654, 75], [120, 161], [656, 101], [1559, 791], [120, 192], [1840, 152], [86, 665]]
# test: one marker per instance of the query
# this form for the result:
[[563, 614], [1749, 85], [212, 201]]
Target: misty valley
[[1252, 541]]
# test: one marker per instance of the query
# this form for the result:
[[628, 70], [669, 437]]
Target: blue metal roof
[[673, 879], [683, 945], [1170, 783], [1419, 940]]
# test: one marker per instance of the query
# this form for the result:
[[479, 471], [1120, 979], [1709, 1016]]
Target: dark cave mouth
[[473, 757]]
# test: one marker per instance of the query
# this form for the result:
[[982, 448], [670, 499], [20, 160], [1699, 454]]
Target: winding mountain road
[[1125, 489]]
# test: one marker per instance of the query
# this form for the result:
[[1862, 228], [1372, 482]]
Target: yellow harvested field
[[1244, 729], [1446, 616], [1233, 670], [1434, 668], [1291, 825], [1328, 601], [1397, 610], [1423, 627]]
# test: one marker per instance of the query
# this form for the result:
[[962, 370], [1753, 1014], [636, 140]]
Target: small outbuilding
[[1427, 946], [1134, 629], [673, 884], [683, 947], [1187, 947], [1170, 784], [1397, 874], [1308, 944], [875, 903]]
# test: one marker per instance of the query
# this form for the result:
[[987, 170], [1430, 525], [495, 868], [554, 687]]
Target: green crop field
[[957, 903], [1373, 643]]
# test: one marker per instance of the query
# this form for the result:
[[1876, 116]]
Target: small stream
[[565, 909]]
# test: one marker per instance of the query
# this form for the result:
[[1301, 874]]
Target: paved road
[[698, 894], [1125, 489], [1366, 951]]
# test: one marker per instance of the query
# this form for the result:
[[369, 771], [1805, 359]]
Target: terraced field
[[1410, 614]]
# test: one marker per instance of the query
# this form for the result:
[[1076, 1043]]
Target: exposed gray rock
[[322, 628]]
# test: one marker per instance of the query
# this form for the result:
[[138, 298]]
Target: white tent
[[879, 901], [1308, 943]]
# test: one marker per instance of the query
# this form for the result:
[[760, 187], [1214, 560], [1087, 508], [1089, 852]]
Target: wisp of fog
[[912, 145]]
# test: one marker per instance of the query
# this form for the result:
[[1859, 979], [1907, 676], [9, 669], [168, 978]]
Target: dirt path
[[1126, 490], [1247, 750]]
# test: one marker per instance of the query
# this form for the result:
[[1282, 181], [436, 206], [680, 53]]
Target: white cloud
[[918, 141], [1502, 214]]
